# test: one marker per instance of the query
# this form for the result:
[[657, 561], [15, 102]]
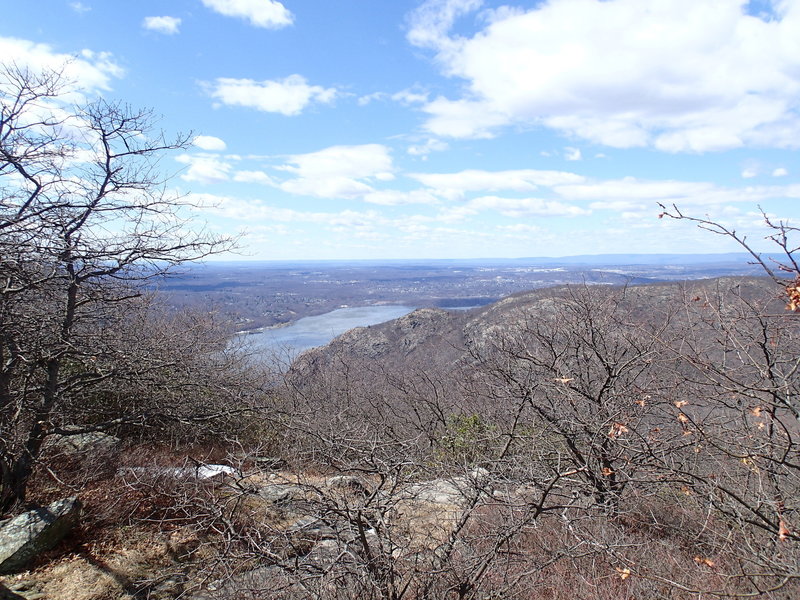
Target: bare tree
[[738, 371], [586, 366], [778, 268], [86, 220]]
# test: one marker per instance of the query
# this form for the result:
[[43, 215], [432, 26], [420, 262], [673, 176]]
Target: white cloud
[[349, 220], [780, 172], [342, 172], [288, 96], [166, 25], [89, 71], [463, 118], [526, 207], [367, 160], [406, 97], [432, 21], [631, 194], [79, 7], [253, 211], [684, 75], [328, 187], [240, 209], [260, 13], [398, 197], [632, 189], [410, 96], [572, 153], [254, 177], [623, 206], [454, 186], [209, 142], [338, 171], [430, 145], [749, 173], [523, 228], [204, 168], [368, 98]]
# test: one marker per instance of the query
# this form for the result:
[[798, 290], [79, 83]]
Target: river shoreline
[[317, 330]]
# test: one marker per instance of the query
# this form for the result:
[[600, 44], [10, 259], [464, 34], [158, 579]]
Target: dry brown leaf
[[783, 531], [623, 573], [750, 464], [793, 291], [617, 429]]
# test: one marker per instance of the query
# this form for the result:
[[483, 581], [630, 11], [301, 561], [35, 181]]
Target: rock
[[437, 491], [209, 471], [458, 491], [81, 443], [35, 531], [245, 586], [301, 537], [348, 482], [199, 471], [9, 593], [325, 554], [363, 341], [171, 587], [282, 493], [310, 529], [257, 580]]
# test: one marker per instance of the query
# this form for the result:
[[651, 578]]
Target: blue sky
[[451, 128]]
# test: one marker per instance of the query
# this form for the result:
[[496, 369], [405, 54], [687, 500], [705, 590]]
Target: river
[[310, 332]]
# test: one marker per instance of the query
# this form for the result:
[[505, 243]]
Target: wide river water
[[310, 332]]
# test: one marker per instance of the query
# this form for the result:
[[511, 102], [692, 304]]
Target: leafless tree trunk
[[85, 222]]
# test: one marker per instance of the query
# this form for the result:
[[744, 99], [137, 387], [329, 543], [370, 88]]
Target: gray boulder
[[82, 443], [349, 483], [283, 493], [33, 532]]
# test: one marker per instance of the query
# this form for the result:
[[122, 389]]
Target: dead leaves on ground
[[793, 292]]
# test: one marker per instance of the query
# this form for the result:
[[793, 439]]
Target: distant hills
[[583, 259], [643, 259]]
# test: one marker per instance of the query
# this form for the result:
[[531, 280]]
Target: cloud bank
[[679, 76]]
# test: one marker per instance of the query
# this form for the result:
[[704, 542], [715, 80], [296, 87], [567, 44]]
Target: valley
[[255, 295]]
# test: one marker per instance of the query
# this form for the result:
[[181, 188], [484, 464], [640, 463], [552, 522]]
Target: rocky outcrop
[[319, 532], [31, 533], [81, 443], [401, 341]]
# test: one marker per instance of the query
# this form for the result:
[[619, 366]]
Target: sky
[[389, 129]]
